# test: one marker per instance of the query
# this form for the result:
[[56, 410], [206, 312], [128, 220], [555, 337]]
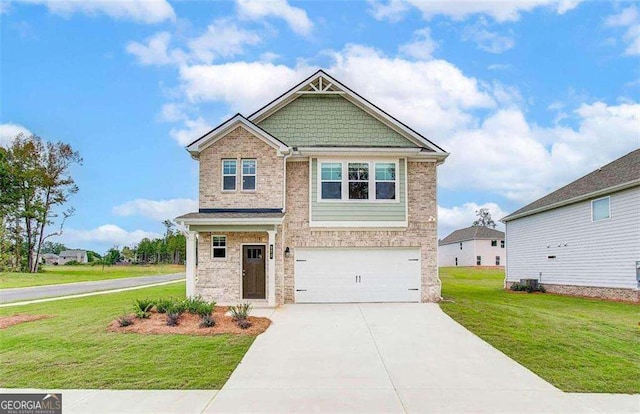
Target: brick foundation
[[626, 295]]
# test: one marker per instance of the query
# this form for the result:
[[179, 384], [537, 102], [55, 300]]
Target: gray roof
[[71, 252], [624, 170], [472, 233], [234, 215]]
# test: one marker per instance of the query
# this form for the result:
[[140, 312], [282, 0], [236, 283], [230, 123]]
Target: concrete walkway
[[67, 289], [389, 358]]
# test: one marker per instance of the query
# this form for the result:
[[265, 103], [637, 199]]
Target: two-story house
[[472, 246], [319, 196]]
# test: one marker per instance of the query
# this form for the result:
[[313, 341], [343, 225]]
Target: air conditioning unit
[[532, 283]]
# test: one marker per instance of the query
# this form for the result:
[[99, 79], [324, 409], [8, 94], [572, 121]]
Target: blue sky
[[525, 96]]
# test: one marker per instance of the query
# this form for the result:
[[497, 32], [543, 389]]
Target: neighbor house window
[[460, 245], [502, 244], [219, 246], [331, 180], [478, 260], [600, 209], [358, 181], [248, 175], [229, 172], [385, 181], [497, 260], [494, 243], [456, 261]]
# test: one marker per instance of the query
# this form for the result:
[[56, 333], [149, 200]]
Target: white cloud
[[294, 16], [433, 96], [157, 210], [173, 112], [421, 46], [193, 129], [500, 11], [9, 131], [459, 217], [106, 234], [629, 19], [141, 11], [222, 38], [500, 66], [508, 156], [155, 50], [486, 40]]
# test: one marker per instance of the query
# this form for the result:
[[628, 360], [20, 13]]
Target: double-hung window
[[385, 181], [358, 181], [600, 209], [248, 175], [331, 181], [229, 172], [219, 247]]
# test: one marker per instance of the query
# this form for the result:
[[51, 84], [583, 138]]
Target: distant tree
[[484, 219], [52, 247], [128, 253], [112, 256], [93, 256], [37, 175]]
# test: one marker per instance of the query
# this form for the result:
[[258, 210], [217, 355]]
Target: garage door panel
[[357, 275]]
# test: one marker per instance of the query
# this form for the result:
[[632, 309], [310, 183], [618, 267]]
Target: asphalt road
[[40, 292]]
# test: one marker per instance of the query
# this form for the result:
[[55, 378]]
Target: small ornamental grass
[[125, 320], [207, 321], [240, 314], [142, 308], [174, 312]]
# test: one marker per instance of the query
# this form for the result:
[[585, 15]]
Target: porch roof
[[231, 220]]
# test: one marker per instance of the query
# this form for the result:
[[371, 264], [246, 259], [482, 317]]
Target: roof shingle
[[472, 233]]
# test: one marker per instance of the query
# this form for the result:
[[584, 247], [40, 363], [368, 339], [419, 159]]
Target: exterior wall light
[[287, 252]]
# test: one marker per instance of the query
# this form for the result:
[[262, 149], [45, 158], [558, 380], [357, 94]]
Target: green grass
[[74, 350], [54, 275], [577, 344]]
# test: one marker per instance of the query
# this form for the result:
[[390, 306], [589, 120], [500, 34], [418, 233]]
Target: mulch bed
[[7, 321], [156, 324]]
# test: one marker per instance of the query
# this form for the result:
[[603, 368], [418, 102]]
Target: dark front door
[[253, 273]]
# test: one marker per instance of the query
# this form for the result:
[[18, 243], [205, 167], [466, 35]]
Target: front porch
[[233, 257]]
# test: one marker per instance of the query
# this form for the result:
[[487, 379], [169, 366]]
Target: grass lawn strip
[[74, 350], [55, 275], [577, 344]]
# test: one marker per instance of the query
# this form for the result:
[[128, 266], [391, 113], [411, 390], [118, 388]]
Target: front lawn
[[577, 344], [73, 349], [54, 275]]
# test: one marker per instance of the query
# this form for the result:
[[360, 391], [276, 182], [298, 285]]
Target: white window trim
[[242, 175], [226, 255], [345, 180], [228, 175], [608, 205]]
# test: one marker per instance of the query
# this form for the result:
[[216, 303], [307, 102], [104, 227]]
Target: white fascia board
[[224, 129], [605, 191], [231, 221], [412, 153], [357, 100]]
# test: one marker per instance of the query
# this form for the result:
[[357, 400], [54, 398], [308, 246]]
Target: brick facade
[[239, 144], [627, 295]]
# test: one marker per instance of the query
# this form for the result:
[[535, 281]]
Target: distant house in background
[[67, 256], [50, 259], [583, 239], [472, 246]]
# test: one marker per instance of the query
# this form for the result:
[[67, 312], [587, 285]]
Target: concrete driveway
[[387, 358], [65, 289]]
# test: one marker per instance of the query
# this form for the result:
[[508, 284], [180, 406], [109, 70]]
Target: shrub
[[518, 287], [205, 309], [173, 318], [72, 263], [142, 308], [240, 311], [244, 324], [207, 321], [523, 287], [192, 305], [125, 320], [163, 304]]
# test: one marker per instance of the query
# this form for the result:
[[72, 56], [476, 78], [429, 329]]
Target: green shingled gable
[[330, 121]]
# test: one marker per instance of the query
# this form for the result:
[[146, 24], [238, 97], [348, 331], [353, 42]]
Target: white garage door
[[357, 275]]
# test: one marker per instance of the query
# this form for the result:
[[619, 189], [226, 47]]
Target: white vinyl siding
[[587, 253], [467, 256], [356, 210]]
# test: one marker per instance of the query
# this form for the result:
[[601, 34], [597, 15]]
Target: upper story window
[[600, 209], [460, 245], [494, 243], [358, 181], [229, 173], [249, 175], [502, 244]]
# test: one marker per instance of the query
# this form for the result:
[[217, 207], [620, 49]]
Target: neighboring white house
[[50, 258], [79, 256], [583, 239], [472, 246]]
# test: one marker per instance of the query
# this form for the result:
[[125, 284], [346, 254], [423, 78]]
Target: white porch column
[[191, 264], [271, 268]]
